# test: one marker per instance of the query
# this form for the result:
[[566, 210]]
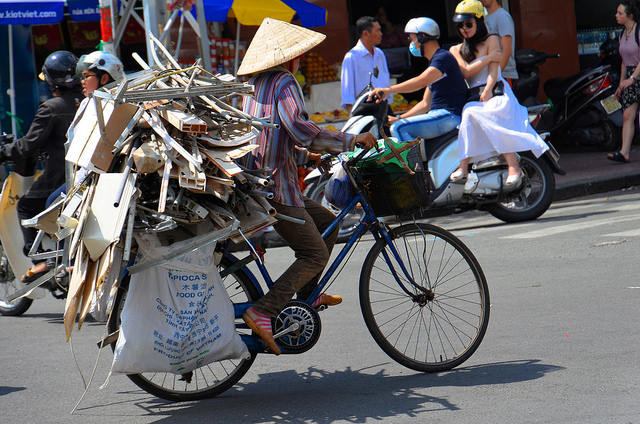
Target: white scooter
[[485, 188], [15, 296]]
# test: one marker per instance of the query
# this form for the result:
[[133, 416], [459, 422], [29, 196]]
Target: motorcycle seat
[[556, 87], [430, 146]]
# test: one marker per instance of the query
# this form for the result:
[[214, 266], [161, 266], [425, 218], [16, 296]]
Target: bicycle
[[423, 296]]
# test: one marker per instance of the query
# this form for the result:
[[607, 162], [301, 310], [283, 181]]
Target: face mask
[[415, 51]]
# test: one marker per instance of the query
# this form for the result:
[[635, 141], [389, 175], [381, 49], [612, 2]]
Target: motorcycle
[[16, 296], [586, 111], [485, 188]]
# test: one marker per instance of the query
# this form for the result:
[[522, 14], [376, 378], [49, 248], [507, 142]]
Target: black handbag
[[473, 94]]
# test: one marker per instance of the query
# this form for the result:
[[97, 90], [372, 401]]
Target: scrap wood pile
[[160, 149]]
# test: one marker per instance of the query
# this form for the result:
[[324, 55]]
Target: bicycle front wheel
[[437, 325], [211, 379]]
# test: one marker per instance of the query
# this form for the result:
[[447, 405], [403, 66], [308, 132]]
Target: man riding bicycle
[[275, 53]]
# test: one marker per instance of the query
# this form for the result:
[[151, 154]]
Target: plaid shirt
[[278, 96]]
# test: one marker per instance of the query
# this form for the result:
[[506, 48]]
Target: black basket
[[395, 192]]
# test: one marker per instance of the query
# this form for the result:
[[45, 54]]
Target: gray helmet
[[425, 28]]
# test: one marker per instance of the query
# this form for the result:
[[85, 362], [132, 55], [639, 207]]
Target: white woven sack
[[177, 317]]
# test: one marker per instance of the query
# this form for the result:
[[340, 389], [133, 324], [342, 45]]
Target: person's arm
[[305, 133], [470, 70], [627, 82], [423, 80], [492, 78], [347, 82], [423, 106], [505, 43], [623, 71], [37, 136]]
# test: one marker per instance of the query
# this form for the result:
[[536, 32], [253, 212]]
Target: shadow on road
[[319, 396]]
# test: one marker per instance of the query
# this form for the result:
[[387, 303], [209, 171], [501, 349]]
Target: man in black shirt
[[46, 136]]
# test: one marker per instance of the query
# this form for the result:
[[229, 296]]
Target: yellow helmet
[[468, 9]]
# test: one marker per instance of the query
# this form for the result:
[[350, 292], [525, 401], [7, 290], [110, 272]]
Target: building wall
[[337, 43], [548, 26]]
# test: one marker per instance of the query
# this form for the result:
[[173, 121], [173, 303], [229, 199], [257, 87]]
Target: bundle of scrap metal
[[160, 149]]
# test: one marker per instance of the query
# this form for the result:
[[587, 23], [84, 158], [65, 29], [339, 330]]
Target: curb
[[590, 186]]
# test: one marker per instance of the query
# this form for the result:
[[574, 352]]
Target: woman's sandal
[[458, 176], [617, 157]]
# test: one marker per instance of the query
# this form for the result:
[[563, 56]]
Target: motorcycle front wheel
[[8, 285], [534, 197]]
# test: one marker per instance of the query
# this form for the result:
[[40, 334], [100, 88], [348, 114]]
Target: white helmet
[[426, 26], [104, 61]]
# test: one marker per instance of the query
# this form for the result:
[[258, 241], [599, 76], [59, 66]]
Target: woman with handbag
[[493, 122]]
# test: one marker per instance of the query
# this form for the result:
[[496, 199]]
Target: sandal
[[617, 157], [513, 180], [458, 176], [35, 272], [261, 325]]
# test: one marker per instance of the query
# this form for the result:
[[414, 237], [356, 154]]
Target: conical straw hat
[[275, 43]]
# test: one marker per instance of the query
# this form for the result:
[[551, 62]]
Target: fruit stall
[[320, 83]]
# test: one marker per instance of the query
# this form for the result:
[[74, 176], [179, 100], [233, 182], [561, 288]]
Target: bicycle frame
[[369, 223]]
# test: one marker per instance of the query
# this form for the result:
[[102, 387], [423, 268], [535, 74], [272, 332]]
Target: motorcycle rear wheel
[[209, 380], [614, 139], [535, 196], [8, 285]]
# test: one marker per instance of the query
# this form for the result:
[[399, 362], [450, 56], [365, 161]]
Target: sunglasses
[[467, 25]]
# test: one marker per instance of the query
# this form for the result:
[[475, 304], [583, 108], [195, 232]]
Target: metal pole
[[150, 26], [205, 49], [12, 84], [235, 65]]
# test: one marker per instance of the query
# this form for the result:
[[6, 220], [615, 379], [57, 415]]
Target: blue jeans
[[53, 196], [432, 124]]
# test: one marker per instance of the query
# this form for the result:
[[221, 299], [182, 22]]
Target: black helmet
[[59, 70]]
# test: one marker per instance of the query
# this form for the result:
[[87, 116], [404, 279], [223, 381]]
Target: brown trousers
[[311, 251]]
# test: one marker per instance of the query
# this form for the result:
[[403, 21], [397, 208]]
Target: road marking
[[565, 228], [628, 233]]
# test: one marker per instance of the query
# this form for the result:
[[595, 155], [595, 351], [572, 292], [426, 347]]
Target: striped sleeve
[[305, 133]]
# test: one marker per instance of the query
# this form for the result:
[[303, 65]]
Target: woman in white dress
[[496, 123]]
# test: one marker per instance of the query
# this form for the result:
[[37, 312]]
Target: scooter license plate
[[610, 104]]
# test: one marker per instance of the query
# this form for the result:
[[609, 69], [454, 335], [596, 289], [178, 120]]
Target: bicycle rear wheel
[[209, 380], [439, 327]]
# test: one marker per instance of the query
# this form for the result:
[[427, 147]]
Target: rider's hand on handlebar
[[313, 160], [366, 140], [378, 94]]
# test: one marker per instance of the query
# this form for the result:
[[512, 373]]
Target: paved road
[[561, 345]]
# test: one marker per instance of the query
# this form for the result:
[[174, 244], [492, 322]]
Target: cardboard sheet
[[105, 220], [89, 148]]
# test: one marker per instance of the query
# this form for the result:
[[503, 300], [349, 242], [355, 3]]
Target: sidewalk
[[589, 172]]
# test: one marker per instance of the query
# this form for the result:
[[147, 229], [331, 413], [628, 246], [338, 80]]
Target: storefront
[[574, 29]]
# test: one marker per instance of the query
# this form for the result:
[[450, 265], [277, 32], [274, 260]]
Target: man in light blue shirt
[[360, 61]]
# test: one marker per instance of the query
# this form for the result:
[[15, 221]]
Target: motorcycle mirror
[[376, 72]]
